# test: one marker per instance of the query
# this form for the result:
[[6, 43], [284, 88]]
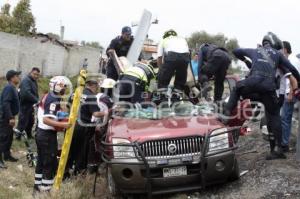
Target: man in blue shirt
[[9, 108], [195, 66]]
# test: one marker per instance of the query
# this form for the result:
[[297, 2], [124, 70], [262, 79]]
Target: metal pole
[[298, 136]]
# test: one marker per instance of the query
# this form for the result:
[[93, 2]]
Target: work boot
[[276, 154], [2, 165], [10, 158], [285, 149], [205, 92]]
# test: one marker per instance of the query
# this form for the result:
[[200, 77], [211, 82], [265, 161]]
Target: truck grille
[[171, 148]]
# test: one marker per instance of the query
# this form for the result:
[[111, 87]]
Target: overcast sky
[[102, 20]]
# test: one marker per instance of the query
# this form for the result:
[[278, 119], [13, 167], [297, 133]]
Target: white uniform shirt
[[174, 44], [284, 88]]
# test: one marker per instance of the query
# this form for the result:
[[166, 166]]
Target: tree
[[5, 10], [5, 19], [198, 38], [20, 22], [23, 19]]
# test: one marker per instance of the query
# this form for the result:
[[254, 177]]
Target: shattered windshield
[[182, 109]]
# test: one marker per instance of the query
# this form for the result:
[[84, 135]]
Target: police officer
[[135, 81], [173, 59], [213, 62], [120, 45], [260, 85], [46, 136], [85, 128], [9, 108], [28, 97]]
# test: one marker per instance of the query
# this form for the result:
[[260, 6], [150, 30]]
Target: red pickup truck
[[155, 151]]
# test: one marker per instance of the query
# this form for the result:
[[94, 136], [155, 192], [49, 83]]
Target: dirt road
[[266, 179]]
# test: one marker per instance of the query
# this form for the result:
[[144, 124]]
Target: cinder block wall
[[23, 53]]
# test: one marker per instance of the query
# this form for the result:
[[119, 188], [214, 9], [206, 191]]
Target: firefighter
[[9, 108], [260, 85], [213, 62], [135, 81], [173, 59], [120, 45], [46, 136], [105, 103], [84, 128]]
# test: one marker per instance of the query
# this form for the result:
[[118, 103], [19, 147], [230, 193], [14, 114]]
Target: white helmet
[[108, 83], [58, 83]]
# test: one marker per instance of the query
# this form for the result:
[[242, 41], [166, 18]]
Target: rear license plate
[[174, 171]]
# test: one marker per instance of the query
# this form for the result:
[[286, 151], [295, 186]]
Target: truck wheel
[[235, 175], [111, 185]]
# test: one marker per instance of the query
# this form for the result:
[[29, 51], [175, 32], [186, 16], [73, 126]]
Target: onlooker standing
[[287, 107], [28, 97], [85, 64], [9, 108], [195, 66]]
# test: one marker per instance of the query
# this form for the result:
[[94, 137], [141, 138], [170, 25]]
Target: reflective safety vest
[[142, 72]]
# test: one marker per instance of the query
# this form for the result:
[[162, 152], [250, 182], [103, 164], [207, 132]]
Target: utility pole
[[62, 31]]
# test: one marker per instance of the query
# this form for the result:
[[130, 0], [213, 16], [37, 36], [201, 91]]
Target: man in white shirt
[[288, 104], [173, 59]]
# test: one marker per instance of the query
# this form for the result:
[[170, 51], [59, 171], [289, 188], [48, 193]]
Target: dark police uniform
[[9, 108], [46, 141], [121, 47], [83, 132], [28, 97], [213, 61], [260, 85]]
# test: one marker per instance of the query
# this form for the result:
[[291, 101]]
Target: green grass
[[17, 181]]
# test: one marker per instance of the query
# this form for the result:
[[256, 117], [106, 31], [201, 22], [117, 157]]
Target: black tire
[[235, 174]]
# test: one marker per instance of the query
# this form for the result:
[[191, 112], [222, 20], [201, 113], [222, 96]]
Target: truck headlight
[[218, 142], [122, 151]]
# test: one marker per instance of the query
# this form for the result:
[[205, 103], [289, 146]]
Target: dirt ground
[[265, 179]]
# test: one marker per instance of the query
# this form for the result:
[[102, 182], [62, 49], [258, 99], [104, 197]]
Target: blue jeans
[[286, 120]]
